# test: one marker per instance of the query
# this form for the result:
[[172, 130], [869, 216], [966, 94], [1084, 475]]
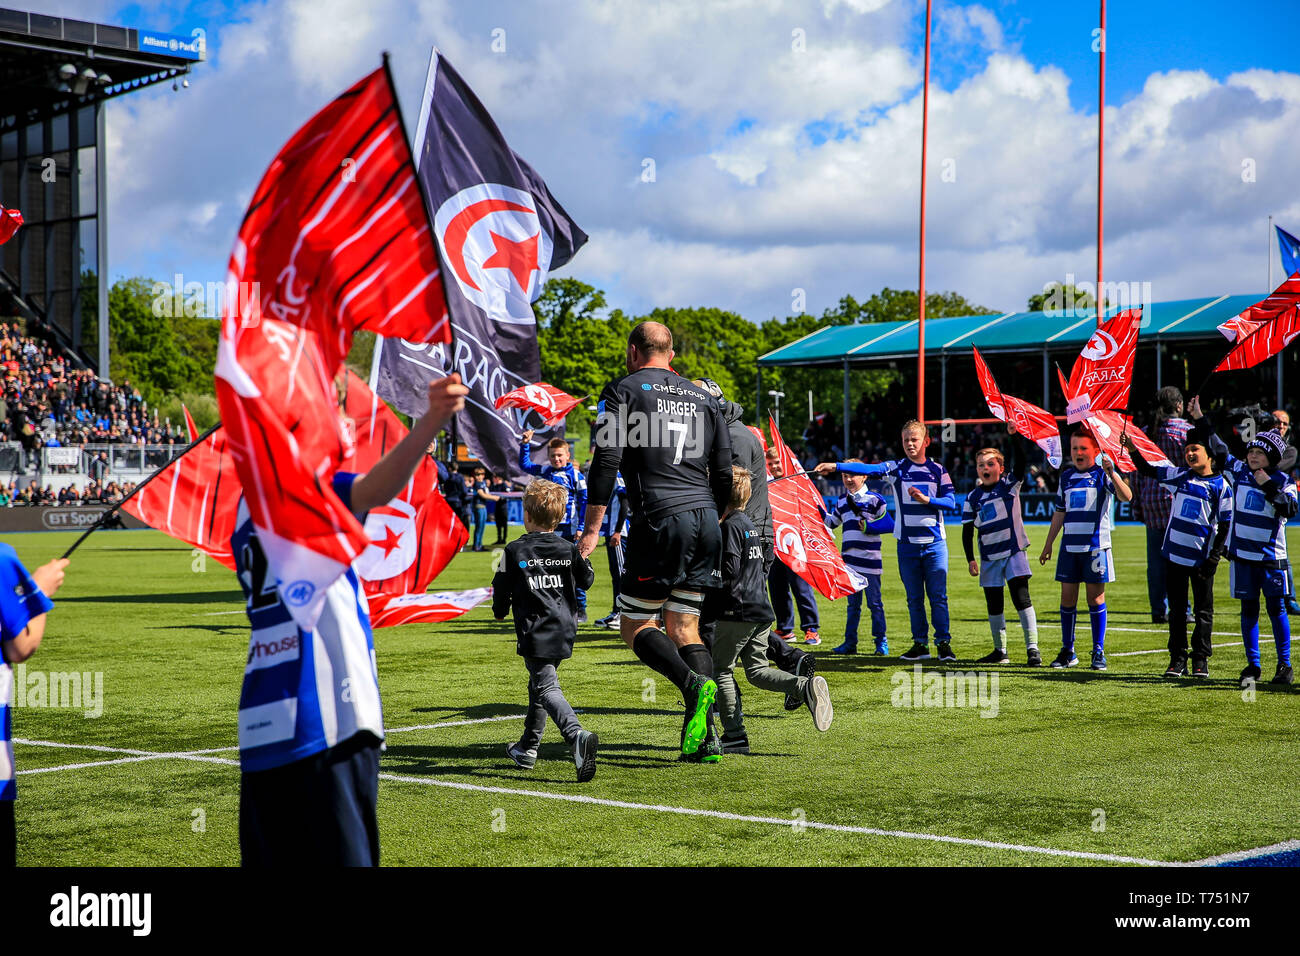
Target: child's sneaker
[[1066, 658], [1033, 658], [1098, 660], [848, 647], [524, 759], [584, 755], [1200, 667], [1250, 674], [735, 743], [995, 657], [1177, 666], [945, 650], [818, 698], [1283, 675], [812, 637], [882, 646], [806, 667], [783, 635], [919, 652]]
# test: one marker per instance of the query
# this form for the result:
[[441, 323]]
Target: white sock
[[998, 625], [1029, 622]]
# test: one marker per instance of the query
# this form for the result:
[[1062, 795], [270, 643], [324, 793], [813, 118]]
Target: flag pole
[[920, 322], [1101, 150], [103, 519]]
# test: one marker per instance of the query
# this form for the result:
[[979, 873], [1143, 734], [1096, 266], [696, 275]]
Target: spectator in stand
[[1151, 499]]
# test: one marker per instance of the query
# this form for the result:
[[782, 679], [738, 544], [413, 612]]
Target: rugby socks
[[1029, 624], [1068, 616], [1097, 618], [697, 658], [1281, 629], [1250, 630], [659, 653], [998, 625]]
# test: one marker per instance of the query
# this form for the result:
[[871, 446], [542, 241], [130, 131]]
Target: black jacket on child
[[743, 595], [540, 574]]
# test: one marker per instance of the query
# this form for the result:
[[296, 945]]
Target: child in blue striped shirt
[[863, 516], [922, 491], [1263, 498], [992, 510], [1085, 504], [1199, 517]]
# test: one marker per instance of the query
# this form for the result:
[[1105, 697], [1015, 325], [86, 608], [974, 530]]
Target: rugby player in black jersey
[[670, 441]]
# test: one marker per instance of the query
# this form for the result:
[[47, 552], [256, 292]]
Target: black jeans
[[1177, 580]]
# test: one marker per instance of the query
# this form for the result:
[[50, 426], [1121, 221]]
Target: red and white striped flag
[[1238, 327], [391, 610], [1036, 424], [336, 239], [1103, 373], [1264, 329], [546, 400], [1106, 426], [803, 541], [189, 424]]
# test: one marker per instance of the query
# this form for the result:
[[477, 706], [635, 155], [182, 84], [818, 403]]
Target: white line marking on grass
[[1147, 630], [1164, 650], [94, 763], [454, 723], [776, 821], [1234, 857], [219, 613]]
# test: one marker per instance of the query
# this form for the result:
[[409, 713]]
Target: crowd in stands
[[49, 402], [20, 492]]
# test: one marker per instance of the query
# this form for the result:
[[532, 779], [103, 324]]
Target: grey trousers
[[545, 698], [745, 642]]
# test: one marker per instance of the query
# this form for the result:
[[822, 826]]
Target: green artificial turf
[[1181, 770]]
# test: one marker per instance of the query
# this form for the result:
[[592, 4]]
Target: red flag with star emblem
[[1036, 424], [546, 400], [1106, 426], [336, 239], [1103, 373], [803, 541]]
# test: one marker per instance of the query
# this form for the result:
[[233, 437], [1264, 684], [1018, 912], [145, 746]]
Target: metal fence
[[133, 461]]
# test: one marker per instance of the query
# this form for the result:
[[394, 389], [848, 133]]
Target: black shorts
[[673, 557]]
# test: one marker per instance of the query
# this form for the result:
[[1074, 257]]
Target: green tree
[[1057, 298]]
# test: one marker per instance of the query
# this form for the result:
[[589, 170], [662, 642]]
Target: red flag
[[546, 400], [336, 239], [391, 610], [414, 536], [195, 499], [1103, 372], [1036, 424], [189, 424], [10, 220], [758, 433], [1264, 329], [802, 540], [1107, 425], [1238, 327]]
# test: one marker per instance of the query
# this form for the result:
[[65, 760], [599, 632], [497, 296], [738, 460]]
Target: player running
[[670, 442]]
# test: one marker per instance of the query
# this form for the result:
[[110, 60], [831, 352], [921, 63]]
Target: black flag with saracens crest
[[499, 233]]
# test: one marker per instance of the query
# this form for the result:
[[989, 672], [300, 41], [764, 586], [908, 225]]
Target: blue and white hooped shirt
[[20, 601], [1087, 498], [1199, 504], [995, 513], [304, 691], [1258, 532], [918, 524], [859, 546]]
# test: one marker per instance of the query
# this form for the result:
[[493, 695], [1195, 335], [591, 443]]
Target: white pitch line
[[1147, 630], [1162, 650], [776, 821], [455, 723], [1282, 847], [138, 756]]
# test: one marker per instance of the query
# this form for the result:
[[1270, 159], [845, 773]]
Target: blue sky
[[777, 169]]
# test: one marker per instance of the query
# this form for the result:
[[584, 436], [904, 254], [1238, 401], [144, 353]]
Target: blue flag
[[499, 232], [1289, 246]]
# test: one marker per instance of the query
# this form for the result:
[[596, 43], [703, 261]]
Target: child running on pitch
[[993, 511], [864, 517], [1200, 515], [540, 576], [744, 618], [923, 491], [1085, 505], [1263, 498]]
